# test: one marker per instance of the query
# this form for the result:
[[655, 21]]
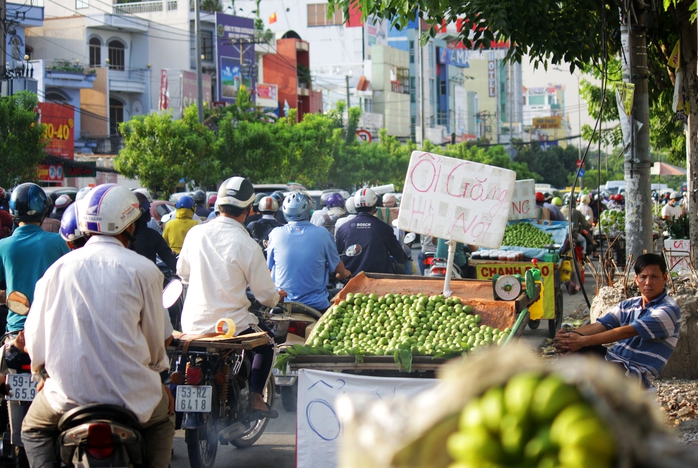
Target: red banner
[[59, 130], [51, 172]]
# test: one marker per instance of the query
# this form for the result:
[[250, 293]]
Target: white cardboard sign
[[679, 254], [317, 426], [455, 199], [523, 202]]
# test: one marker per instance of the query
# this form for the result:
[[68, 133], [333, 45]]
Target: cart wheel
[[533, 324], [554, 324]]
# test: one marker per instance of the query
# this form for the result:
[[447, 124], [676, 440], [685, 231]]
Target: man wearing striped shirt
[[645, 329]]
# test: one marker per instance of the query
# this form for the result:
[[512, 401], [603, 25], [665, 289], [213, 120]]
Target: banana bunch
[[534, 420]]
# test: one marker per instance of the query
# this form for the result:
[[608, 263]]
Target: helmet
[[199, 196], [675, 196], [389, 200], [108, 209], [278, 196], [324, 196], [268, 205], [83, 191], [236, 191], [144, 204], [145, 192], [62, 202], [212, 200], [365, 198], [619, 197], [557, 201], [540, 198], [585, 199], [29, 202], [350, 206], [69, 224], [296, 207], [334, 200], [258, 197], [185, 202]]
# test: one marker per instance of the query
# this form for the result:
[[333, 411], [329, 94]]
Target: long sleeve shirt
[[97, 325]]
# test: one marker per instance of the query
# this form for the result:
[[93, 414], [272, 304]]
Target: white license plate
[[193, 399], [21, 386], [289, 372]]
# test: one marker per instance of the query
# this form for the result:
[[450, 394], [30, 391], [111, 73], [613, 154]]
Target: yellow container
[[565, 270]]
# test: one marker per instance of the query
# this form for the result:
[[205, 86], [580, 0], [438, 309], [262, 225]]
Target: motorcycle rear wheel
[[202, 443], [289, 397], [257, 429]]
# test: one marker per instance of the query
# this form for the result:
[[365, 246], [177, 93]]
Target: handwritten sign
[[679, 251], [317, 426], [454, 199], [523, 202]]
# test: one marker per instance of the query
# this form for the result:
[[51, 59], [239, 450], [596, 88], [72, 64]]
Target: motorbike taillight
[[438, 271], [194, 375], [428, 261], [297, 328], [100, 443]]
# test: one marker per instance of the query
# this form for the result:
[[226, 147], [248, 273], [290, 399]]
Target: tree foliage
[[160, 151], [22, 142]]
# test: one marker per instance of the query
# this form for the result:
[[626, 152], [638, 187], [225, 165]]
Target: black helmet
[[29, 203], [236, 191], [199, 197], [258, 198]]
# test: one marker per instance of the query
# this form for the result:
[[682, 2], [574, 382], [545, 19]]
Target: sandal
[[260, 414]]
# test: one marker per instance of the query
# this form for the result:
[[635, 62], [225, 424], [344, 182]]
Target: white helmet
[[82, 192], [365, 197], [146, 193], [268, 205], [108, 209], [236, 191], [349, 206]]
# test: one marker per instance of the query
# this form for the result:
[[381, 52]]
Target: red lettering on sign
[[521, 207], [545, 270]]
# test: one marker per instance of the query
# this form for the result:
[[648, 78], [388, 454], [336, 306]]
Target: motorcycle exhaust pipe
[[231, 432]]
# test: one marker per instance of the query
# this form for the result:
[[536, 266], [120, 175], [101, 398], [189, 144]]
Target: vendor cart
[[550, 305], [513, 314]]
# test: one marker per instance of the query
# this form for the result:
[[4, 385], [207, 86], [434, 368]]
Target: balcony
[[63, 74], [129, 80], [144, 7]]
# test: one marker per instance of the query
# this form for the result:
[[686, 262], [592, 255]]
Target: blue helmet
[[278, 195], [185, 202], [296, 207], [334, 200], [28, 202], [69, 224]]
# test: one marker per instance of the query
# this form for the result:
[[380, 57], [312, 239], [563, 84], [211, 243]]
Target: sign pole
[[449, 267]]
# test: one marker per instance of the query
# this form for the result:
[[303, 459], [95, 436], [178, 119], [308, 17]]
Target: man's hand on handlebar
[[282, 293], [341, 275]]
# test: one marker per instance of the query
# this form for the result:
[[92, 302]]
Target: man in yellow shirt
[[176, 230]]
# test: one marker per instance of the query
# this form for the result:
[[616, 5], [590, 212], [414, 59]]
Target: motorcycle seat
[[95, 412]]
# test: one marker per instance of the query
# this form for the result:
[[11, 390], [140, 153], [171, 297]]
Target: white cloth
[[220, 260], [341, 221], [586, 211], [319, 217], [97, 324], [671, 211]]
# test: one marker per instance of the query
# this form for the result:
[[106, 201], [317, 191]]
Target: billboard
[[548, 122], [375, 33], [59, 130], [50, 172], [236, 64], [267, 91], [456, 57], [189, 89]]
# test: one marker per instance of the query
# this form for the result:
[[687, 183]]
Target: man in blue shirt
[[301, 255], [376, 238], [645, 328]]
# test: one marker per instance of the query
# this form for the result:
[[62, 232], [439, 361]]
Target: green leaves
[[21, 144]]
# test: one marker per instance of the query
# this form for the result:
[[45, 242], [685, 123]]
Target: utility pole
[[638, 203], [3, 39], [199, 78], [348, 95], [420, 76]]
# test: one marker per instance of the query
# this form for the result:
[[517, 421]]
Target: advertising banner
[[375, 33], [189, 89], [455, 57], [236, 64], [164, 100], [59, 130], [548, 122], [50, 172], [267, 91]]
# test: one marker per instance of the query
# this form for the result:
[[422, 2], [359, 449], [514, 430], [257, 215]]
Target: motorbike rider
[[581, 228], [254, 213], [99, 338], [61, 203], [70, 231], [219, 260], [279, 196], [555, 214], [301, 255], [584, 207], [176, 229], [50, 224], [24, 258], [5, 218], [351, 213], [202, 211], [333, 210], [260, 229], [672, 209], [543, 213], [153, 223], [376, 238], [149, 243]]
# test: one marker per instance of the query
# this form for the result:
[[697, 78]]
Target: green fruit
[[514, 434], [590, 435], [567, 417], [474, 445], [492, 408], [471, 416], [551, 396], [519, 391], [575, 457], [539, 445]]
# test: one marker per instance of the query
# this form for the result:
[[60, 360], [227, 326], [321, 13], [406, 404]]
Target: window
[[317, 15], [536, 100], [413, 90], [79, 4], [411, 51], [442, 87], [116, 55], [95, 52], [116, 116], [207, 45]]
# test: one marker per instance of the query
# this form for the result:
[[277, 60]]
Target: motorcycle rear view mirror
[[18, 303], [409, 238], [171, 293], [353, 250]]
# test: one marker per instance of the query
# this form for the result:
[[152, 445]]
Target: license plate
[[193, 399], [289, 372], [21, 386]]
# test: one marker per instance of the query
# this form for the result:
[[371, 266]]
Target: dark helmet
[[278, 195], [144, 206], [199, 197], [258, 198], [29, 203], [236, 191], [185, 201]]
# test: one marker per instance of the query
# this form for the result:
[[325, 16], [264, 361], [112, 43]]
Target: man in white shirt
[[97, 327], [672, 209], [219, 260]]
